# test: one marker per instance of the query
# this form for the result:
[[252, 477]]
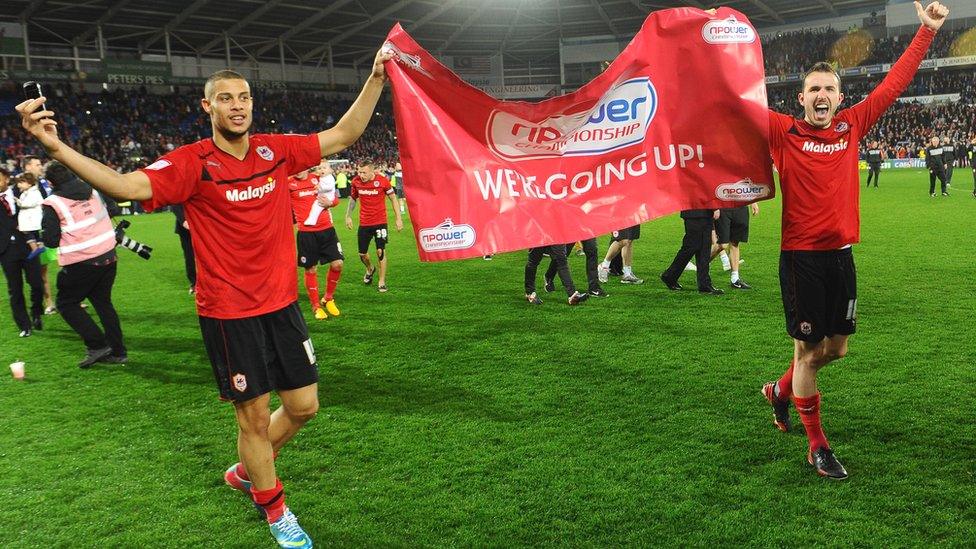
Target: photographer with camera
[[77, 222]]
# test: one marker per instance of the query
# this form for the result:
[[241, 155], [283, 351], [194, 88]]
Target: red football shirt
[[372, 199], [818, 167], [304, 193], [240, 219]]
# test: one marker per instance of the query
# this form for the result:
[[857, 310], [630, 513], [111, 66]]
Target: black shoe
[[115, 359], [93, 356], [673, 286], [598, 293], [37, 323], [740, 285], [826, 464], [577, 298], [533, 299], [781, 408], [25, 333], [945, 193], [368, 277], [550, 284], [711, 290]]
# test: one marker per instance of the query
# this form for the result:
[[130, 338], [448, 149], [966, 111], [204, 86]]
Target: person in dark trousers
[[592, 279], [558, 254], [697, 243], [183, 231], [874, 163], [77, 222], [16, 267], [972, 161], [948, 160], [936, 166]]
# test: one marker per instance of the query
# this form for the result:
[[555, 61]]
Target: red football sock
[[785, 384], [312, 285], [331, 281], [809, 410], [271, 500]]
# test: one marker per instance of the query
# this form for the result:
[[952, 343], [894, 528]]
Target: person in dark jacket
[[697, 243], [182, 230], [78, 223], [948, 160], [936, 166], [16, 267]]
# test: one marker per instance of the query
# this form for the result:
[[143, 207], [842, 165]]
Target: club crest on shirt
[[842, 127], [240, 383], [265, 153], [376, 183], [805, 328]]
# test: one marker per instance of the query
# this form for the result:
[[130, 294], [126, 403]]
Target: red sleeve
[[385, 183], [173, 178], [353, 189], [301, 151], [867, 112], [779, 124]]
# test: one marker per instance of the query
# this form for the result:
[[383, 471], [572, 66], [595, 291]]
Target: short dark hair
[[28, 158], [30, 178], [4, 171], [225, 74], [822, 66], [57, 174]]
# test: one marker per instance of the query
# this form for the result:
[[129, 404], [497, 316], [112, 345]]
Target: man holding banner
[[817, 158], [236, 201]]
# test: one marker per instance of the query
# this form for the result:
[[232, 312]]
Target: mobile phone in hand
[[32, 90]]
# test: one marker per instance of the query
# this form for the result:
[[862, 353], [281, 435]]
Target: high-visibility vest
[[341, 180], [86, 230]]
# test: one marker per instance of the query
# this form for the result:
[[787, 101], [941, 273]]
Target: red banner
[[677, 121]]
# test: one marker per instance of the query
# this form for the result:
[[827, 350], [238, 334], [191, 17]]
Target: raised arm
[[40, 124], [868, 111], [354, 122]]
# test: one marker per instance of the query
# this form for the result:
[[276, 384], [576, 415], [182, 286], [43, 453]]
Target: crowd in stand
[[127, 128], [794, 52]]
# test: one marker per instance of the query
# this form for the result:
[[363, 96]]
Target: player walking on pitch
[[234, 194], [372, 189], [817, 159], [318, 243]]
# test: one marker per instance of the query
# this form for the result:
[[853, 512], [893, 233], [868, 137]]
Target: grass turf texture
[[453, 413]]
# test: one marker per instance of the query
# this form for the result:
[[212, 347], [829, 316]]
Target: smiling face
[[820, 98], [228, 102]]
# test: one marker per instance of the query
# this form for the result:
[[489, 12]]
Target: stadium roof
[[526, 31]]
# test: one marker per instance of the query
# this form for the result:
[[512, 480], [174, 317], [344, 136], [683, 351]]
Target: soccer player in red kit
[[817, 159], [232, 187], [372, 189], [318, 242]]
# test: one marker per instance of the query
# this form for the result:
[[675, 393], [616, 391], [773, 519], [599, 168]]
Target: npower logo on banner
[[619, 119], [728, 31], [742, 191], [447, 236]]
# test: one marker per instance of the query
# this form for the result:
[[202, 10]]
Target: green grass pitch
[[455, 414]]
